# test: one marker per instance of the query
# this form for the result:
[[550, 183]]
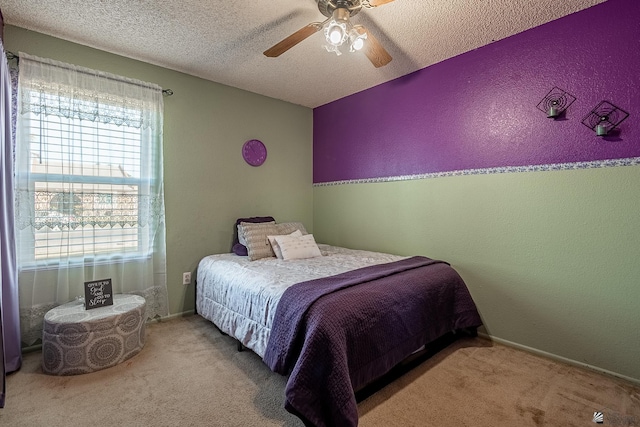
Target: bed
[[335, 322]]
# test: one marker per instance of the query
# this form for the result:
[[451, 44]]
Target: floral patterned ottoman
[[78, 341]]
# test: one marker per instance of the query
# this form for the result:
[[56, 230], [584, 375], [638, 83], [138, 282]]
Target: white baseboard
[[32, 348], [552, 356], [172, 316]]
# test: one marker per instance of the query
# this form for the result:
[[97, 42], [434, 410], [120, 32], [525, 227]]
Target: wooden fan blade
[[377, 54], [376, 3], [295, 38]]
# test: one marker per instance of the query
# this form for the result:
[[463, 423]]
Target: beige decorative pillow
[[290, 227], [276, 247], [241, 230], [255, 237], [293, 247]]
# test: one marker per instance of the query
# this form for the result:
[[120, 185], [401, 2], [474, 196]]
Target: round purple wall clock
[[254, 152]]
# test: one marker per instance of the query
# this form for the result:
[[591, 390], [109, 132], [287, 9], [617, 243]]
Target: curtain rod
[[11, 55]]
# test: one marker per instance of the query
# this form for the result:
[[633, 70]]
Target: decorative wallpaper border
[[631, 161]]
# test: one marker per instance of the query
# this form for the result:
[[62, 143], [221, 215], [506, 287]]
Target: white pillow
[[298, 247], [276, 247]]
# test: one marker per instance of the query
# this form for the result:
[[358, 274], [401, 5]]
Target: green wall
[[207, 184], [551, 258]]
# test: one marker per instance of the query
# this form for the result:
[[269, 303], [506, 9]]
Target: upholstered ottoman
[[78, 341]]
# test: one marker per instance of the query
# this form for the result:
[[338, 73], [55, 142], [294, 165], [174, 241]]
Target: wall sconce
[[555, 102], [604, 118]]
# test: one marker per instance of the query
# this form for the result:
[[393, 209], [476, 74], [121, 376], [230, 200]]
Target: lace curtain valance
[[54, 88]]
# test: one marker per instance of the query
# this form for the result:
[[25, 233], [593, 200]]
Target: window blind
[[86, 177]]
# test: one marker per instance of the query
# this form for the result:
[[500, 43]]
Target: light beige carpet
[[189, 374]]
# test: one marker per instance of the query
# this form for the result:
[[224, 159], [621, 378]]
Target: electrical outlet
[[186, 278]]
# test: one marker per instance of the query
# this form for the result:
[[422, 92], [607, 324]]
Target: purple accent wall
[[478, 110]]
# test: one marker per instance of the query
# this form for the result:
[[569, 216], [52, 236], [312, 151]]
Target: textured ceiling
[[223, 41]]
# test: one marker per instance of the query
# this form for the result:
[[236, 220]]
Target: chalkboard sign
[[97, 293]]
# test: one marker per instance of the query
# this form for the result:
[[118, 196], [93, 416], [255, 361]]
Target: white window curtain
[[89, 188]]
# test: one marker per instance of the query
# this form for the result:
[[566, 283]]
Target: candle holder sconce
[[604, 118], [555, 102]]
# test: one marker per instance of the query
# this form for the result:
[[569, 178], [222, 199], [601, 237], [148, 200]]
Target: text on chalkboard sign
[[97, 293]]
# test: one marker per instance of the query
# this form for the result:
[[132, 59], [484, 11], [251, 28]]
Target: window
[[86, 180], [89, 170]]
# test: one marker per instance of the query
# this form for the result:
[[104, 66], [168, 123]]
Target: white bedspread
[[240, 296]]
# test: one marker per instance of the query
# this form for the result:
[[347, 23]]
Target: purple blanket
[[332, 343]]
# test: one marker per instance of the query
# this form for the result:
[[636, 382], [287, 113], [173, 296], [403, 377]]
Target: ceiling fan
[[339, 31]]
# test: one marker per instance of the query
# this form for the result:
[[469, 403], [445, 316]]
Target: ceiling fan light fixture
[[336, 31], [356, 40], [332, 48]]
